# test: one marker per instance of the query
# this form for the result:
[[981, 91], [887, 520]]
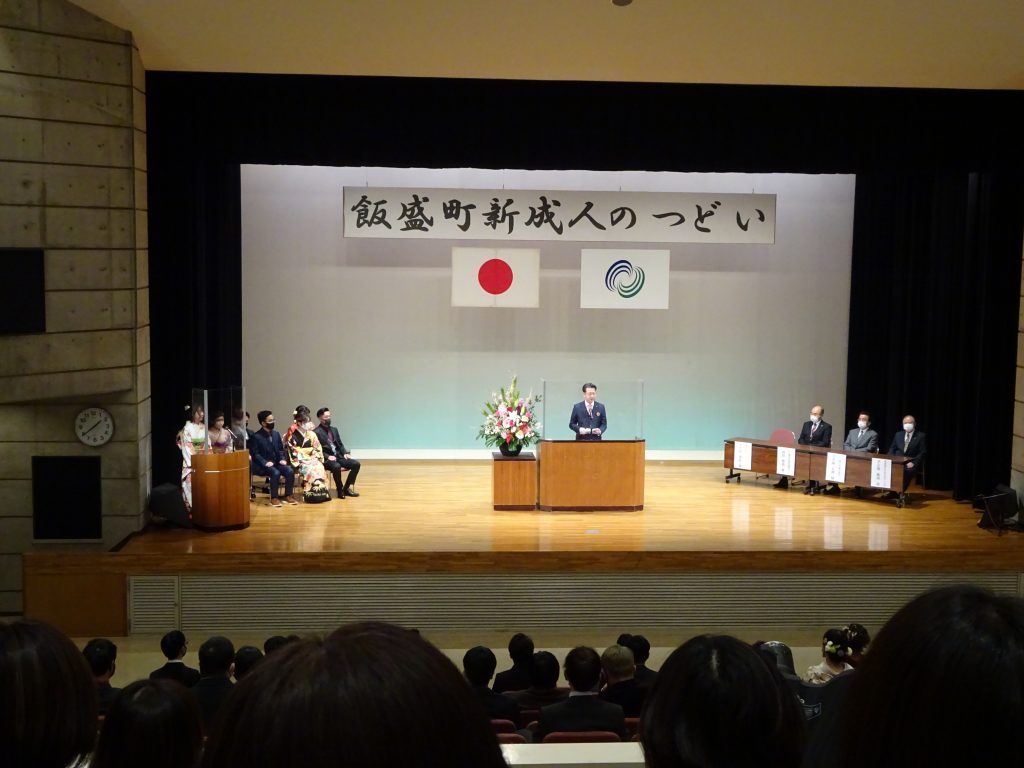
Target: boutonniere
[[597, 413]]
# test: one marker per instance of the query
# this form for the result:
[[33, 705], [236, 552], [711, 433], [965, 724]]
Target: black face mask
[[268, 425], [326, 422]]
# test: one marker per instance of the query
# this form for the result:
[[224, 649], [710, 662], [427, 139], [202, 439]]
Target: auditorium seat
[[580, 737], [511, 738], [782, 436], [633, 726], [503, 726], [528, 716]]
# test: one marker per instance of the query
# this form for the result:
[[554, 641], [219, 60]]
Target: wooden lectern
[[220, 490], [592, 474]]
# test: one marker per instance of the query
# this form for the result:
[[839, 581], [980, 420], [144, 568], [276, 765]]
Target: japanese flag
[[495, 277]]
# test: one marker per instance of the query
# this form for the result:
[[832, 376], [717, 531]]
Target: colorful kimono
[[192, 439], [307, 457], [223, 442]]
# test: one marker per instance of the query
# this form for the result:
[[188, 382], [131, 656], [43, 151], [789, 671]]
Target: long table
[[811, 462]]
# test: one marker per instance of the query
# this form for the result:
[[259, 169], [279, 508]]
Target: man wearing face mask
[[336, 457], [861, 438], [268, 459], [815, 431], [908, 442]]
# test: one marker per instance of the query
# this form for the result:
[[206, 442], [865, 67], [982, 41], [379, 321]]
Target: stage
[[422, 545]]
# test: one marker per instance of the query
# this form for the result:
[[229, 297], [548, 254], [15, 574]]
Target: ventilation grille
[[559, 601], [152, 603]]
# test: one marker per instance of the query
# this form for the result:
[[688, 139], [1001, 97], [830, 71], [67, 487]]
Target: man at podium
[[589, 420]]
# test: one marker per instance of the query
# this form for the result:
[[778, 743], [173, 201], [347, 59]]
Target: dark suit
[[515, 679], [497, 706], [177, 671], [582, 713], [915, 451], [645, 676], [330, 441], [266, 448], [628, 694], [210, 693], [596, 418], [535, 698], [105, 695], [820, 435]]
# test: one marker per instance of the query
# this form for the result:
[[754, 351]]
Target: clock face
[[94, 426]]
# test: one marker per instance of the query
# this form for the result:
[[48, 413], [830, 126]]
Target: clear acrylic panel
[[218, 420], [623, 400]]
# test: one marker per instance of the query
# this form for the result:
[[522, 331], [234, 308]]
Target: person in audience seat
[[835, 651], [153, 723], [583, 710], [47, 698], [543, 688], [858, 638], [369, 694], [622, 687], [246, 658], [174, 647], [641, 648], [717, 702], [478, 666], [520, 650], [101, 654], [216, 665]]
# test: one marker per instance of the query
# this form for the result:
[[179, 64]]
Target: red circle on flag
[[495, 276]]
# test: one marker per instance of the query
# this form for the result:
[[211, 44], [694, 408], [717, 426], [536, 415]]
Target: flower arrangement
[[510, 420]]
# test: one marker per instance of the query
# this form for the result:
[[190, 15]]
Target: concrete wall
[[73, 182]]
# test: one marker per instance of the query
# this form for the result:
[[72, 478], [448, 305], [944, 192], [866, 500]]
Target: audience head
[[173, 644], [617, 663], [369, 694], [858, 639], [101, 654], [274, 643], [47, 698], [544, 670], [715, 702], [835, 646], [216, 657], [246, 658], [479, 664], [639, 645], [520, 648], [935, 662], [583, 669], [266, 420], [152, 723], [778, 654]]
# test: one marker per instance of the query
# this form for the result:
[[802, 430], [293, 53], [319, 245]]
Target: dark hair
[[101, 654], [638, 644], [544, 670], [520, 648], [262, 416], [216, 656], [47, 698], [835, 646], [777, 654], [271, 644], [857, 638], [321, 411], [386, 695], [589, 385], [864, 413], [479, 664], [582, 668], [715, 702], [917, 692], [246, 658], [152, 723], [172, 643], [218, 415], [300, 410]]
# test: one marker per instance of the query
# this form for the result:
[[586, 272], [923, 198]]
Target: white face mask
[[815, 419], [862, 424], [908, 427]]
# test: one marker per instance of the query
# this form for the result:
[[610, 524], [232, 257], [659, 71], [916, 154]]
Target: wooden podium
[[514, 481], [591, 475], [220, 490]]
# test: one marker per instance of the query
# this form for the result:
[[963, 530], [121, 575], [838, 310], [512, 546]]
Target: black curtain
[[203, 125], [933, 317]]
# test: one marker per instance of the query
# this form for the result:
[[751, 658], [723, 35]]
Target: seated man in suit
[[861, 438], [336, 457], [622, 687], [174, 647], [815, 431], [520, 650], [543, 688], [908, 442], [583, 710], [478, 665], [216, 665], [101, 654], [589, 420], [641, 648], [268, 459]]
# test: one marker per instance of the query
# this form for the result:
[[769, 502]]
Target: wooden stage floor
[[437, 516]]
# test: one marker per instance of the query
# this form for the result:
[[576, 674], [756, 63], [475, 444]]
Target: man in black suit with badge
[[815, 431], [336, 457], [589, 420], [908, 442]]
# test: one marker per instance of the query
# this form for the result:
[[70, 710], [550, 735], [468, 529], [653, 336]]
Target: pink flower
[[508, 438]]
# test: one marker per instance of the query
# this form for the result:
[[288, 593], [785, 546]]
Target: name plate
[[835, 467], [742, 454], [881, 473], [785, 461]]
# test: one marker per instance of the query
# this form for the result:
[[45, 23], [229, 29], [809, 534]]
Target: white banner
[[623, 279], [785, 461], [881, 473], [835, 467], [495, 277], [514, 214], [741, 455]]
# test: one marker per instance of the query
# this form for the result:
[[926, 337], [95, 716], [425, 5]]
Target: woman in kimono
[[191, 440], [307, 457], [221, 440]]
